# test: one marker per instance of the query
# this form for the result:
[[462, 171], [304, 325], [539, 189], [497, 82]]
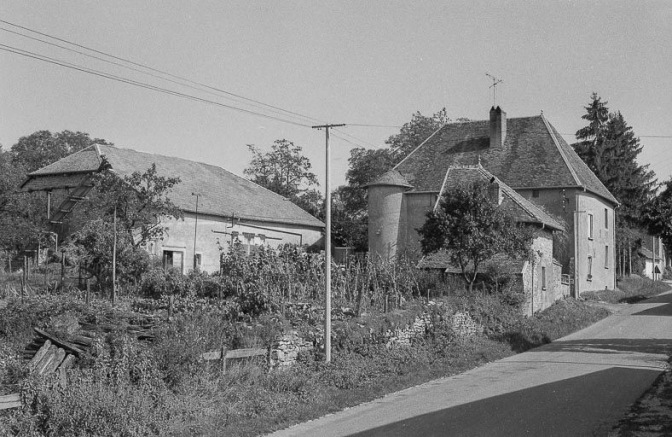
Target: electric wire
[[48, 59], [224, 95], [160, 71], [232, 96]]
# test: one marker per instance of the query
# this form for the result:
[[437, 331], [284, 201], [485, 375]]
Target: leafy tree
[[415, 132], [142, 206], [472, 229], [284, 170], [367, 165], [609, 147], [21, 214], [42, 148]]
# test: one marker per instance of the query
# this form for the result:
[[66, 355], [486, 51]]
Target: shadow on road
[[665, 309], [544, 410], [610, 345]]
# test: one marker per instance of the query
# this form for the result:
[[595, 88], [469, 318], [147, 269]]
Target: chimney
[[497, 127], [495, 192]]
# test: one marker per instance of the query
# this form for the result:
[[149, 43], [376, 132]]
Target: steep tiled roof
[[533, 155], [221, 192], [512, 202]]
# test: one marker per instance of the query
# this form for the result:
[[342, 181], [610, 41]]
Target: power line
[[154, 69], [232, 96], [135, 69], [103, 74]]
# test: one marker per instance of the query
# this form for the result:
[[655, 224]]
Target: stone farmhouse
[[539, 276], [229, 206], [528, 155]]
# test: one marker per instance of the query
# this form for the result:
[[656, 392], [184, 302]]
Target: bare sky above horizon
[[353, 62]]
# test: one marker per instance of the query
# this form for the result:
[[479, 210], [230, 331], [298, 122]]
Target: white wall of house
[[594, 244], [215, 232]]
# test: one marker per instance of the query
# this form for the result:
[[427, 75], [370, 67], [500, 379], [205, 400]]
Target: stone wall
[[286, 350]]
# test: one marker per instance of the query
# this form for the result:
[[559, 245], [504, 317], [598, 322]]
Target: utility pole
[[114, 258], [195, 228], [327, 247]]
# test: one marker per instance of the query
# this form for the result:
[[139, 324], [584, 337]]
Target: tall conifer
[[609, 147]]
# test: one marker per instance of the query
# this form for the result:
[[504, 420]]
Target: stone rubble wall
[[289, 346]]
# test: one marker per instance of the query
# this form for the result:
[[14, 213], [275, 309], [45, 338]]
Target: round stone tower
[[387, 215]]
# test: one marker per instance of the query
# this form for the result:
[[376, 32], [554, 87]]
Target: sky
[[372, 63]]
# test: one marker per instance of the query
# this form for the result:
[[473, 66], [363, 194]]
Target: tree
[[21, 214], [367, 165], [472, 229], [142, 205], [658, 214], [284, 170], [42, 148], [415, 132], [609, 147]]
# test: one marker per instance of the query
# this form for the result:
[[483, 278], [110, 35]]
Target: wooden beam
[[61, 343], [10, 401]]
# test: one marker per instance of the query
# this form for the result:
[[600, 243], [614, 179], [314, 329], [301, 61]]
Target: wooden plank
[[209, 356], [245, 353], [67, 362], [38, 356], [55, 361], [61, 343], [44, 362], [10, 401]]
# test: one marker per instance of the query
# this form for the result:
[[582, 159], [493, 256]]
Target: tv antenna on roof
[[495, 82]]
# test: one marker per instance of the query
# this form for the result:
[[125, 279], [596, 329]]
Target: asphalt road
[[580, 385]]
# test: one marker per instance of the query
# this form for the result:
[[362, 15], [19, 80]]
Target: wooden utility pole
[[195, 228], [114, 258], [653, 250], [327, 247]]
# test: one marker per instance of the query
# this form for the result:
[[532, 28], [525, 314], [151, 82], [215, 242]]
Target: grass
[[170, 392], [630, 290]]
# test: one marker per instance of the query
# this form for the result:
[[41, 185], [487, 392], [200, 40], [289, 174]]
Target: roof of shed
[[221, 192], [533, 155]]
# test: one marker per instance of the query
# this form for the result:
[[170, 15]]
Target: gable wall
[[573, 205], [540, 297], [603, 265]]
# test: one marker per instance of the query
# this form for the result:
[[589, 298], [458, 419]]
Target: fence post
[[88, 290], [170, 306], [223, 357], [387, 303], [62, 285]]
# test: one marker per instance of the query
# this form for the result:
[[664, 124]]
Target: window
[[606, 218], [173, 259], [590, 268], [606, 257], [535, 193], [590, 226], [543, 278]]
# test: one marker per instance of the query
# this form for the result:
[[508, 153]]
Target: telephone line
[[94, 72], [159, 71], [224, 95]]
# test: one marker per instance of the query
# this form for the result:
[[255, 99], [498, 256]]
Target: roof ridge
[[565, 158], [421, 144]]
